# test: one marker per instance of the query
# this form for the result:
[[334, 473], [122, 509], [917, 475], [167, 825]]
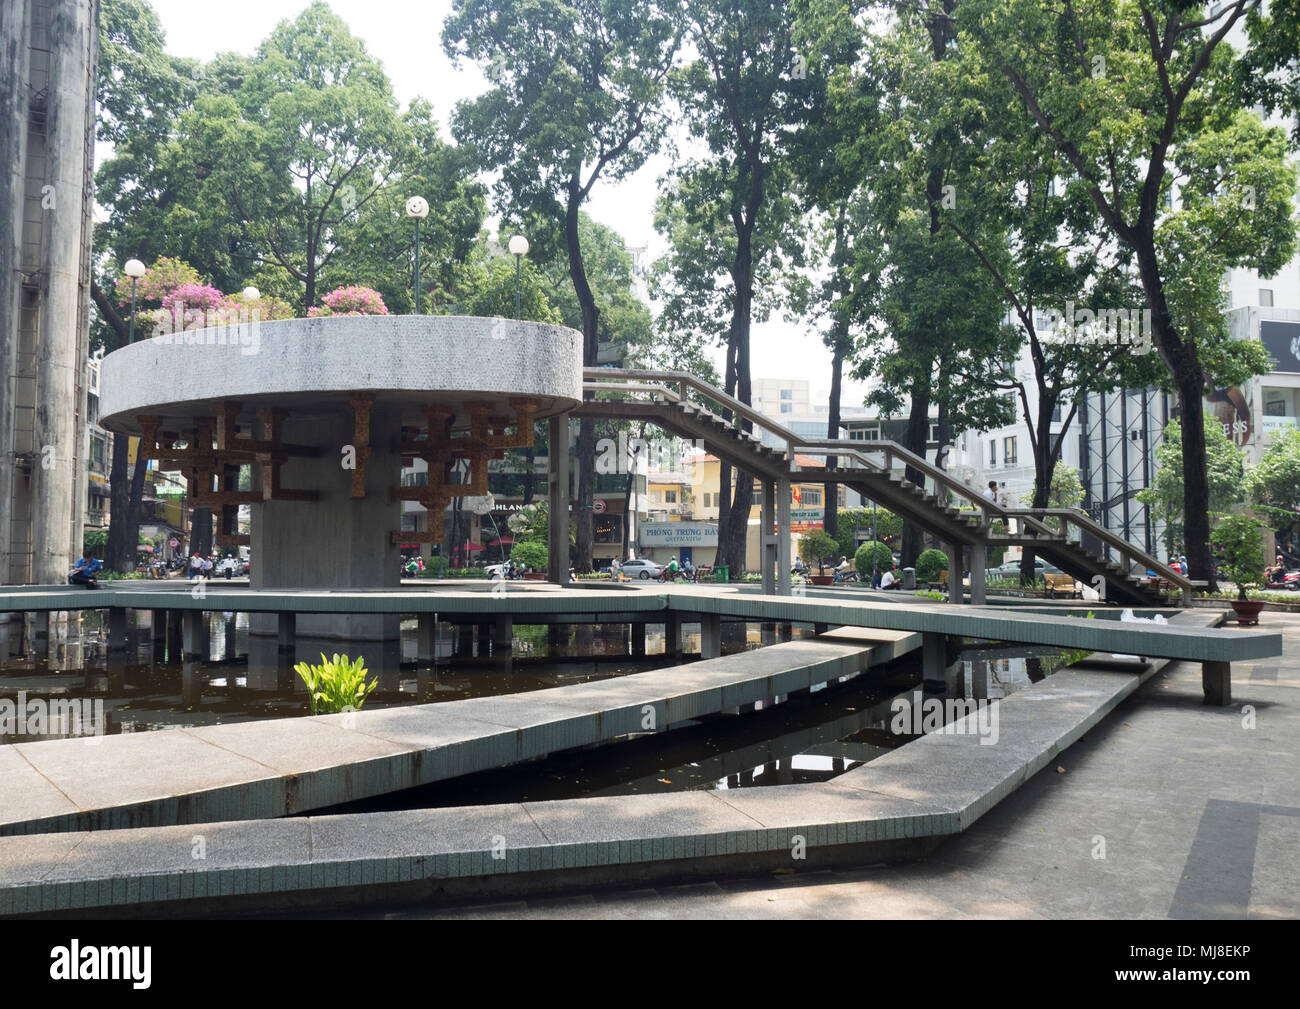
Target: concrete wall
[[46, 140]]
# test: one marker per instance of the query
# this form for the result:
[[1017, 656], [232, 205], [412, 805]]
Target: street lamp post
[[519, 249], [417, 208], [135, 270]]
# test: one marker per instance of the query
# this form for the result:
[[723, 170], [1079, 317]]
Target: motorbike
[[1288, 581]]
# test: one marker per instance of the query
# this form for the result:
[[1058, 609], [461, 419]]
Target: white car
[[642, 569]]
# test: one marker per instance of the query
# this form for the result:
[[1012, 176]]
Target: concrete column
[[637, 650], [558, 540], [768, 538], [785, 630], [39, 635], [673, 635], [710, 635], [175, 635], [485, 637], [783, 558], [194, 646], [934, 657], [232, 638], [158, 634], [503, 634], [286, 639], [1216, 682], [557, 636], [426, 638], [767, 632], [821, 628], [977, 575], [465, 640], [953, 550], [117, 633], [4, 636]]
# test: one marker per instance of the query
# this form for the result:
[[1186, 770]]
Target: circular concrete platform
[[406, 361]]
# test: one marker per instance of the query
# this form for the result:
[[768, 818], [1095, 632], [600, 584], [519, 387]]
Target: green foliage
[[889, 527], [1273, 485], [929, 564], [815, 547], [337, 684], [1240, 549], [488, 289], [1165, 496], [95, 539], [862, 560], [532, 554], [931, 594]]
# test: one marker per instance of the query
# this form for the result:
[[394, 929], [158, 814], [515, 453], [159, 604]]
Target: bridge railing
[[1130, 554], [661, 383]]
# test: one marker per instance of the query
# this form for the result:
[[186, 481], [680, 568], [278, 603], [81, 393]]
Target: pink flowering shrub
[[353, 300], [159, 281]]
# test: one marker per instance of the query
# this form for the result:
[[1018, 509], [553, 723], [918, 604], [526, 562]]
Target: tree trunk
[[839, 346], [1181, 358], [628, 487], [586, 460], [201, 539], [123, 493], [915, 440]]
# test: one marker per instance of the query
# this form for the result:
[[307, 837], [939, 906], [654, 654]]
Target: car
[[642, 569], [495, 570], [1011, 569]]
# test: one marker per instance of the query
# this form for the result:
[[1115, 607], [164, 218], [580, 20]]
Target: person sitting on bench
[[85, 571], [888, 581]]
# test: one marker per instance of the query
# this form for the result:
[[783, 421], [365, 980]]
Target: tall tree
[[1138, 99], [577, 97], [730, 215]]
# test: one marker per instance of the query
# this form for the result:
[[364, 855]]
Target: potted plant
[[814, 548], [1241, 556]]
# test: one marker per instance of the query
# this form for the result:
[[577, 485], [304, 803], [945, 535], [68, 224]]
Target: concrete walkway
[[1167, 810], [274, 768]]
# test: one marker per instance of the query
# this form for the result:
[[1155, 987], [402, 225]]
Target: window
[[670, 497], [1009, 451], [787, 407], [1266, 297], [787, 394], [654, 497], [934, 432], [1056, 414], [812, 498], [993, 453]]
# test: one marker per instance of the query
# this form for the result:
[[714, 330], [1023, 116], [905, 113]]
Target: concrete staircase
[[660, 398]]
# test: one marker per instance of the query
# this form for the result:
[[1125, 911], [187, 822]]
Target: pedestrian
[[85, 571], [615, 570], [207, 567], [992, 492]]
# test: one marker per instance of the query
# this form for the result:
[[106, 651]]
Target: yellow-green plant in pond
[[337, 684]]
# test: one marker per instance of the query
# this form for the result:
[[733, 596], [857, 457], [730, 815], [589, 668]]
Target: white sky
[[406, 36]]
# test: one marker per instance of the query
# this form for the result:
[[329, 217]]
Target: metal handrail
[[602, 377], [1126, 549], [624, 380]]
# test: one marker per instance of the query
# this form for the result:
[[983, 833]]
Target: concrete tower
[[47, 118]]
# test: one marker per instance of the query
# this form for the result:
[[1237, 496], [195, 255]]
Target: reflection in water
[[148, 686], [803, 738]]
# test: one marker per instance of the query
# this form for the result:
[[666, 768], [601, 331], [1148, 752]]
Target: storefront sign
[[679, 534]]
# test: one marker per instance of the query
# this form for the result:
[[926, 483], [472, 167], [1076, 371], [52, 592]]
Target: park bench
[[1061, 584], [940, 581]]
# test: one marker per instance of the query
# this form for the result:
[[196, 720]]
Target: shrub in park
[[929, 564], [862, 560], [531, 555]]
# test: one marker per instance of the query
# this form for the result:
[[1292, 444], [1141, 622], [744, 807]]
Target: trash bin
[[722, 573], [909, 578]]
